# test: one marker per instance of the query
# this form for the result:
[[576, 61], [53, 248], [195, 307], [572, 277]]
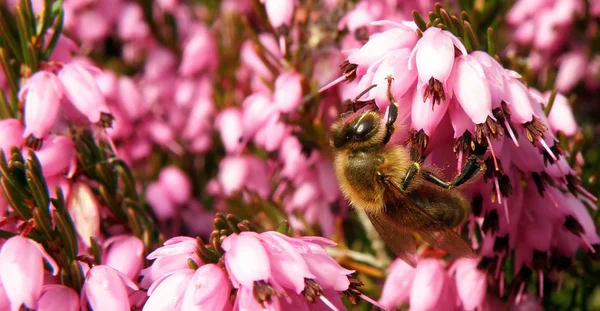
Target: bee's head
[[358, 130]]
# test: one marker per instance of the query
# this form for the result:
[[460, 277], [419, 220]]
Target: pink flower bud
[[124, 253], [22, 271], [56, 297], [288, 92], [177, 183], [83, 91], [64, 48], [158, 198], [229, 123], [561, 116], [233, 174], [251, 59], [257, 109], [517, 100], [131, 25], [107, 83], [42, 94], [85, 212], [96, 26], [159, 62], [12, 134], [168, 5], [569, 72], [208, 289], [57, 155], [199, 52], [280, 12], [430, 286], [105, 289], [131, 99]]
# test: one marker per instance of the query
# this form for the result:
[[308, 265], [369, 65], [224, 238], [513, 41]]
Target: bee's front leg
[[392, 112], [473, 166]]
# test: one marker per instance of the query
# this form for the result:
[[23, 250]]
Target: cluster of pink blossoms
[[456, 103], [548, 27]]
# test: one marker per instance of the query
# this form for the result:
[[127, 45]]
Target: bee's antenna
[[365, 92]]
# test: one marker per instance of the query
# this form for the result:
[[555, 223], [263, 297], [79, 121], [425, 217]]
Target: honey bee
[[390, 184]]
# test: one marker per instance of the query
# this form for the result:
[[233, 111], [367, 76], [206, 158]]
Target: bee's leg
[[473, 166], [392, 112], [414, 169]]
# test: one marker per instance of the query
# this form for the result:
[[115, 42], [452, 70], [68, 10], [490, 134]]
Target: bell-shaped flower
[[83, 92], [22, 271], [287, 265], [280, 12], [571, 66], [471, 89], [106, 289], [131, 25], [471, 283], [57, 155], [84, 209], [234, 172], [431, 286], [167, 292], [177, 183], [57, 297], [517, 100], [561, 116], [397, 286], [198, 52], [208, 289], [124, 253], [425, 115], [42, 94], [246, 259], [251, 59], [396, 66], [158, 197], [380, 45], [131, 99], [12, 134], [229, 124], [288, 92], [172, 256], [434, 54]]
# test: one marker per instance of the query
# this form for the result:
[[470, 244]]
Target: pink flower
[[199, 52], [56, 297], [246, 259], [396, 289], [57, 155], [471, 283], [471, 89], [167, 292], [280, 12], [172, 256], [131, 99], [85, 212], [124, 253], [561, 116], [42, 94], [229, 124], [22, 271], [96, 28], [159, 199], [12, 134], [177, 183], [431, 287], [83, 91], [569, 72], [288, 92], [131, 25], [208, 289], [106, 289]]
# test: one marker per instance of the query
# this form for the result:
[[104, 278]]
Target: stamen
[[373, 302], [511, 133], [498, 195], [332, 83], [328, 303], [541, 282], [520, 293], [492, 151], [550, 153], [502, 284], [560, 281], [587, 194], [498, 267], [506, 211], [551, 197], [460, 159]]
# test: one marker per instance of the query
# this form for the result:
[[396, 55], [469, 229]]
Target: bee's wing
[[403, 211], [396, 236]]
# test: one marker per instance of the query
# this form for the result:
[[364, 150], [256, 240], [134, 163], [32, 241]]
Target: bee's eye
[[363, 127]]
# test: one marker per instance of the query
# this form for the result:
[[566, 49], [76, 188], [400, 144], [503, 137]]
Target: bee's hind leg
[[473, 166], [413, 171]]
